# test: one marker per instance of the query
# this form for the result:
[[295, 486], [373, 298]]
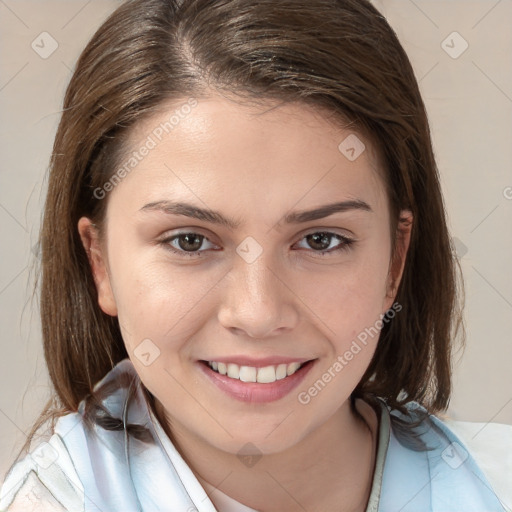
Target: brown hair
[[340, 56]]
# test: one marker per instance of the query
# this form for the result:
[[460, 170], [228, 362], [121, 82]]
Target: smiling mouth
[[262, 375]]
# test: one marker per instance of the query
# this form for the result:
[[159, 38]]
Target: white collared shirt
[[114, 470]]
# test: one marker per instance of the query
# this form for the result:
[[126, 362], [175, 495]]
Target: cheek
[[349, 303], [350, 295], [350, 309], [160, 301]]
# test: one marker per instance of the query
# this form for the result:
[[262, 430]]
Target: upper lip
[[258, 362]]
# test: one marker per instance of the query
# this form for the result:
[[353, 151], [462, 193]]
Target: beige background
[[469, 100]]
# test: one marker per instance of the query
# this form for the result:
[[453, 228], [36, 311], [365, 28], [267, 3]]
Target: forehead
[[272, 152], [196, 123]]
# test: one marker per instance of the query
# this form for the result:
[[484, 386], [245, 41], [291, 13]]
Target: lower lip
[[256, 392]]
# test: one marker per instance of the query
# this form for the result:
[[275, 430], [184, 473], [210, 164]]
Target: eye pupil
[[190, 239], [323, 239]]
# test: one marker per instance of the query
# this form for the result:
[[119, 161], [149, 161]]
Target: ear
[[397, 264], [98, 261]]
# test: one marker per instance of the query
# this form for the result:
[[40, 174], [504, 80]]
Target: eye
[[189, 244], [321, 242], [186, 244]]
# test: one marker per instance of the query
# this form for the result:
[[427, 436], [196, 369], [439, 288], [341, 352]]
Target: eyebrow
[[205, 214]]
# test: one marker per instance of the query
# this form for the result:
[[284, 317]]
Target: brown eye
[[321, 242], [186, 244], [190, 241]]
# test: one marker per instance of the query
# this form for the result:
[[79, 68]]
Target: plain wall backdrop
[[460, 51]]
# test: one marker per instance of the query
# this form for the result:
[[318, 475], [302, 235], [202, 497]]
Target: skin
[[254, 165]]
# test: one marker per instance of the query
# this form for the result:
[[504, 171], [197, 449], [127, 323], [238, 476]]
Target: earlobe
[[397, 265], [97, 261]]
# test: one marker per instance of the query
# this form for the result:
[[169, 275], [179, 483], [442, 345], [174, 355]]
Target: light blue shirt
[[114, 470]]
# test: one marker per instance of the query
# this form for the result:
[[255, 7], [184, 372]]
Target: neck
[[331, 467]]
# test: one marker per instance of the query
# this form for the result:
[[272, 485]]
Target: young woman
[[248, 293]]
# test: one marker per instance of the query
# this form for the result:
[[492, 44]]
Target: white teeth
[[281, 371], [264, 375], [233, 371], [292, 368], [248, 374]]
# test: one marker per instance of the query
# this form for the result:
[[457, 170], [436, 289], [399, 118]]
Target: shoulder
[[44, 480], [34, 496], [435, 465], [491, 446]]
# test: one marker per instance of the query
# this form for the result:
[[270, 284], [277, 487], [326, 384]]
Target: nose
[[257, 300]]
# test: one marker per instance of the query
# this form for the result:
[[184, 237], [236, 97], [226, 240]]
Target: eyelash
[[345, 244]]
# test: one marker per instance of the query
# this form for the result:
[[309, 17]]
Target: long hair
[[340, 56]]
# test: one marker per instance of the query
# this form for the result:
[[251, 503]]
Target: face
[[221, 256]]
